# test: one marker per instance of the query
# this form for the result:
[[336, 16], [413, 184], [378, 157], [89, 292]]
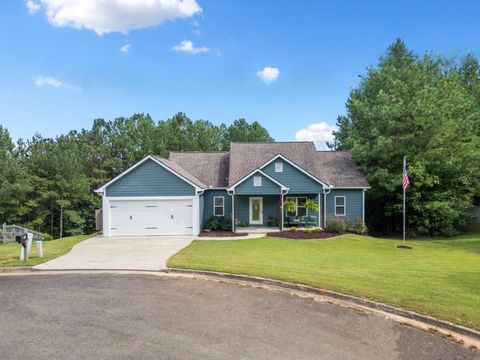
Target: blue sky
[[61, 67]]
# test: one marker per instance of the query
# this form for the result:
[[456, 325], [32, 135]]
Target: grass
[[10, 252], [437, 277]]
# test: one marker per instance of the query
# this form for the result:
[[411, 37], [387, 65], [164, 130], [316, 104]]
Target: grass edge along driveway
[[438, 277], [52, 249]]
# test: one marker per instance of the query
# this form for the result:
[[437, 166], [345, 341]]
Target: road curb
[[14, 269], [338, 296]]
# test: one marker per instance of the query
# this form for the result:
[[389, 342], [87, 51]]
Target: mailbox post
[[23, 240]]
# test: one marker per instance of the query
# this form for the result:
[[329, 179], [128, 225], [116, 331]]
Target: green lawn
[[10, 252], [438, 277]]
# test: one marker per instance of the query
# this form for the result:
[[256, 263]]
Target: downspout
[[325, 205], [363, 206], [233, 207]]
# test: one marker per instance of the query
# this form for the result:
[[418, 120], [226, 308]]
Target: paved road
[[95, 316], [120, 253]]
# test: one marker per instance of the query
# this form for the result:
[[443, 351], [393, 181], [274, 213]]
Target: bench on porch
[[300, 220]]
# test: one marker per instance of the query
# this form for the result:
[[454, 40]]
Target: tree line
[[426, 108], [47, 184]]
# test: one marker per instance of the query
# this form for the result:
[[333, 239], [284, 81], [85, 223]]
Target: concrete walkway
[[246, 237], [119, 253]]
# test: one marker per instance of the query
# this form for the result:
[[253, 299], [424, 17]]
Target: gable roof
[[246, 157], [172, 167], [209, 167], [259, 171], [339, 170], [180, 171]]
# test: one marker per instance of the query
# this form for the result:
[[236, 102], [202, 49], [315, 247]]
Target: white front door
[[256, 211]]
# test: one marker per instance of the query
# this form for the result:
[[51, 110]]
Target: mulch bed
[[220, 233], [300, 235]]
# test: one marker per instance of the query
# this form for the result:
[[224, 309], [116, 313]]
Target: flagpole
[[404, 166]]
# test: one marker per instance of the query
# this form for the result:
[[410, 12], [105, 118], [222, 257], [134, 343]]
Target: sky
[[289, 65]]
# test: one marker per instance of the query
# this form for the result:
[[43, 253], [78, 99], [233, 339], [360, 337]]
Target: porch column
[[281, 210], [319, 209]]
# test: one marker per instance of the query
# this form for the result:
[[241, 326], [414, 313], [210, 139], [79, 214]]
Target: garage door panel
[[152, 217]]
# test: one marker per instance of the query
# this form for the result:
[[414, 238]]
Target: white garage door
[[152, 217]]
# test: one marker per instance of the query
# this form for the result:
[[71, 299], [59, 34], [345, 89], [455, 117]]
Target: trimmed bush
[[337, 225], [317, 230], [218, 223], [307, 231], [360, 227], [293, 229]]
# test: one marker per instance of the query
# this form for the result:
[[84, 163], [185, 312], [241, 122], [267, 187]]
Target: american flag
[[405, 182]]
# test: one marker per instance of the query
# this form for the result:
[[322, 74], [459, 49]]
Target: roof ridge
[[272, 142], [201, 152]]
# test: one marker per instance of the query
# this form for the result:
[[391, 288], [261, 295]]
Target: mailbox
[[22, 239]]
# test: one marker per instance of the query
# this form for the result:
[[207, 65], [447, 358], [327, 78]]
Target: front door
[[256, 211]]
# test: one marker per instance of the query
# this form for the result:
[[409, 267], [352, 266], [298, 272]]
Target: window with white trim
[[301, 206], [340, 205], [257, 181], [278, 167], [218, 205]]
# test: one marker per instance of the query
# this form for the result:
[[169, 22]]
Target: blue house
[[249, 185]]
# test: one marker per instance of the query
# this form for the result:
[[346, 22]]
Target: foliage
[[293, 229], [47, 184], [317, 230], [425, 108], [218, 223], [307, 230], [312, 205], [438, 277], [337, 225], [360, 227], [290, 206]]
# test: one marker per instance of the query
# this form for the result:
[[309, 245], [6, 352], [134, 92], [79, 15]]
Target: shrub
[[47, 237], [337, 225], [361, 228], [307, 231], [218, 223], [317, 230], [293, 229]]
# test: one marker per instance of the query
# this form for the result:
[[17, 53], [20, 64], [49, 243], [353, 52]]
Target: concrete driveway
[[119, 253], [99, 316]]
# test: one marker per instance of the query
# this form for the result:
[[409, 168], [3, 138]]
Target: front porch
[[264, 213]]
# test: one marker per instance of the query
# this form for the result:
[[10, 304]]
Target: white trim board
[[282, 187], [148, 157]]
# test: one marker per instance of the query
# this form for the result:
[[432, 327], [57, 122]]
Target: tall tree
[[421, 108]]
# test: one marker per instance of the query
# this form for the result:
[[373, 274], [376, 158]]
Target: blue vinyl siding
[[353, 202], [150, 179], [246, 187], [270, 208], [208, 203], [294, 179]]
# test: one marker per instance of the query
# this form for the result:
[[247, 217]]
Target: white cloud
[[32, 6], [319, 132], [47, 81], [187, 46], [44, 81], [268, 74], [104, 16], [125, 48]]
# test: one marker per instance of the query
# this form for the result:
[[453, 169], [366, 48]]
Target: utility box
[[99, 220]]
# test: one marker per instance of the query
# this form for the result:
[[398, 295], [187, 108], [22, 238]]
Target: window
[[340, 205], [257, 181], [279, 167], [301, 208], [300, 205], [218, 205]]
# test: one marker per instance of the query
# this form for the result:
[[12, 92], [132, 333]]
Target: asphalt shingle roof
[[223, 169], [180, 170], [209, 167]]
